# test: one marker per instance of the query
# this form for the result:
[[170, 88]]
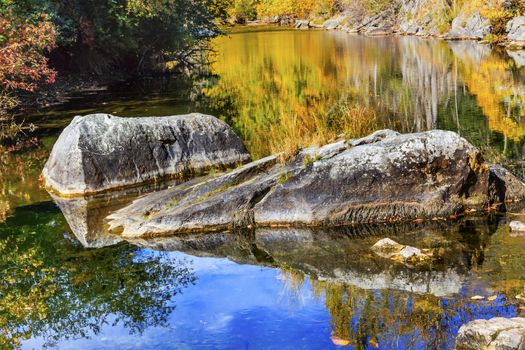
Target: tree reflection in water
[[393, 319], [53, 288], [272, 85]]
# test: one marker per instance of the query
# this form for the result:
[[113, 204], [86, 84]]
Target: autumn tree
[[23, 62]]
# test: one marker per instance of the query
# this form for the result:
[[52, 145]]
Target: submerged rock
[[495, 334], [100, 152], [390, 249], [384, 177], [469, 27]]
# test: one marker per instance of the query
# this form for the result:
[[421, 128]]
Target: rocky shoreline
[[403, 21]]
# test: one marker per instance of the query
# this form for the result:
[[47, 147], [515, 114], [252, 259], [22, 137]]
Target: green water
[[67, 284]]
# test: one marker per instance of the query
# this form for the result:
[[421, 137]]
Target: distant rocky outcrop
[[495, 334], [516, 31], [422, 18], [473, 26], [384, 177], [334, 22], [100, 152]]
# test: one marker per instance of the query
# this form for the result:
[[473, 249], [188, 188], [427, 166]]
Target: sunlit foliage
[[296, 8]]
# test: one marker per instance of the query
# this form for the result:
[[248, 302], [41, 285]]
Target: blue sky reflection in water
[[236, 306]]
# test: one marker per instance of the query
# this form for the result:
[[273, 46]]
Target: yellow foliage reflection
[[283, 89]]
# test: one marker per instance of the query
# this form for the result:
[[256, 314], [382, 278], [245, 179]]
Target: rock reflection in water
[[85, 218], [86, 215], [340, 256], [372, 301]]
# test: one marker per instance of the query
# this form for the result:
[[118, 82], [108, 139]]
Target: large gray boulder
[[495, 334], [469, 27], [384, 177], [516, 31], [100, 152]]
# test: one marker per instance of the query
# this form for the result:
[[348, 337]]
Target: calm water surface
[[66, 284]]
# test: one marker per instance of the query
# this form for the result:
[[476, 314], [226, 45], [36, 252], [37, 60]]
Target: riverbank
[[494, 21], [471, 26]]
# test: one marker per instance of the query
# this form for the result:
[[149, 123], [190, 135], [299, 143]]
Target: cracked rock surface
[[100, 152], [384, 177]]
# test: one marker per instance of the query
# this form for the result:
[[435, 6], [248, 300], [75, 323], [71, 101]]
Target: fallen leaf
[[477, 297], [492, 298]]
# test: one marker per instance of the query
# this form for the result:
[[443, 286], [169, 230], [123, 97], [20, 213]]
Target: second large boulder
[[384, 177]]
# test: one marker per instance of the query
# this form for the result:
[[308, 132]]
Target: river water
[[66, 284]]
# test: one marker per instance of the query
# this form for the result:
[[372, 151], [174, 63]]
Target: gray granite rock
[[302, 24], [518, 56], [384, 177], [334, 22], [469, 27], [495, 334], [517, 226], [390, 249], [516, 31], [410, 27], [100, 152]]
